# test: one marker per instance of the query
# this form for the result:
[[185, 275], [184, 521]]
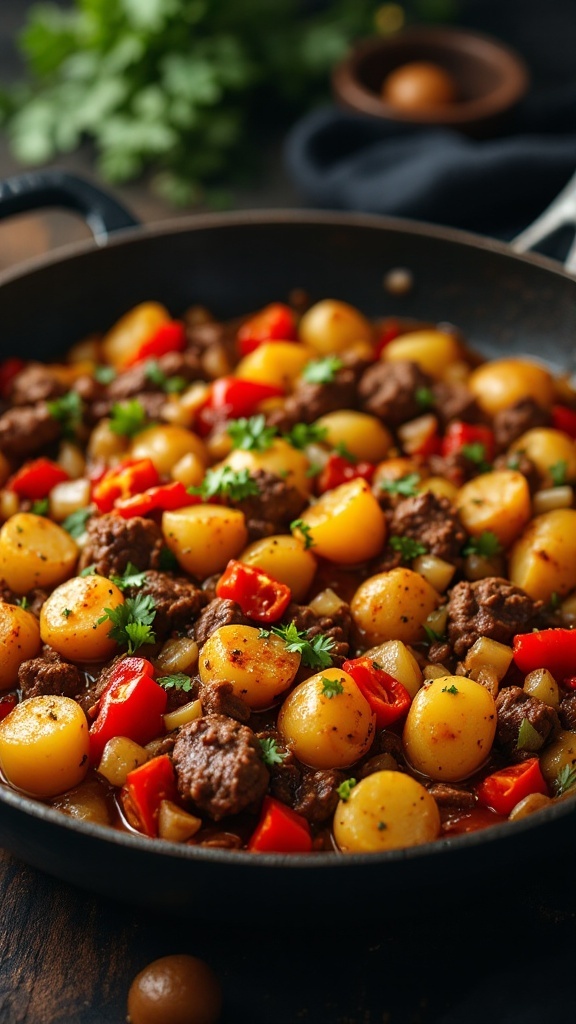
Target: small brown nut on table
[[178, 989], [418, 85]]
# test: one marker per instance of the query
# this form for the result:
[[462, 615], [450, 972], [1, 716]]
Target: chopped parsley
[[450, 689], [41, 507], [407, 547], [128, 418], [270, 753], [132, 622], [565, 780], [68, 412], [331, 687], [559, 473], [131, 577], [155, 374], [90, 570], [424, 397], [177, 681], [345, 788], [104, 374], [75, 523], [432, 636], [303, 434], [381, 826], [251, 434], [345, 453], [304, 530], [322, 371], [66, 612], [23, 602], [406, 486], [486, 545], [226, 482], [528, 737], [167, 559], [476, 453], [315, 653]]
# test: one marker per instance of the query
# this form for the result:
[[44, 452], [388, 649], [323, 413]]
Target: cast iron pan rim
[[164, 850], [278, 217]]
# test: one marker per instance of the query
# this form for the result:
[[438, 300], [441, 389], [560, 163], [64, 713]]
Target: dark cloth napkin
[[494, 186]]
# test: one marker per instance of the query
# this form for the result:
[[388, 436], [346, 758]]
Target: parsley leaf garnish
[[345, 788], [303, 434], [424, 397], [67, 612], [331, 687], [304, 530], [75, 523], [407, 486], [565, 780], [177, 681], [476, 453], [105, 374], [90, 570], [449, 689], [132, 622], [128, 418], [23, 602], [131, 577], [559, 473], [486, 544], [314, 653], [345, 453], [251, 434], [270, 753], [67, 410], [407, 547], [41, 507], [431, 634], [322, 371], [155, 374], [226, 483], [528, 737]]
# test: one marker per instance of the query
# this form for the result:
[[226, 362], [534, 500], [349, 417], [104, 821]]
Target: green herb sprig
[[132, 622], [315, 653]]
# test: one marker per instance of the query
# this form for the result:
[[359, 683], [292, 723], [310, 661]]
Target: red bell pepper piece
[[169, 337], [459, 434], [569, 683], [7, 704], [259, 595], [387, 697], [389, 330], [163, 498], [564, 419], [275, 322], [36, 479], [132, 705], [280, 830], [230, 398], [123, 481], [504, 789], [144, 790], [554, 649], [9, 368], [338, 470]]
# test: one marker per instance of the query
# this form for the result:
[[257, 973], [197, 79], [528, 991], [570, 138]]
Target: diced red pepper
[[230, 398], [132, 705], [259, 595], [554, 649], [169, 337], [338, 470], [123, 481], [564, 419], [275, 322], [459, 434], [163, 498], [9, 368], [569, 683], [145, 789], [390, 329], [280, 830], [7, 704], [504, 789], [36, 479], [421, 436], [388, 698]]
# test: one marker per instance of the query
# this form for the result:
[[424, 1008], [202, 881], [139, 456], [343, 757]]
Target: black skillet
[[504, 303]]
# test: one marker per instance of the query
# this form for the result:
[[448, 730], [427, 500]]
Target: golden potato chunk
[[204, 537], [497, 502], [543, 559], [44, 745], [19, 640], [260, 668], [387, 810], [69, 620], [503, 382], [393, 606], [346, 524], [35, 552]]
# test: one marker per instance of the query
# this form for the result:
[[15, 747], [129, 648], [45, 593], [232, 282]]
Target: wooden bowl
[[490, 78]]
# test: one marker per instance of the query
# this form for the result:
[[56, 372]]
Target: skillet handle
[[39, 189], [560, 213]]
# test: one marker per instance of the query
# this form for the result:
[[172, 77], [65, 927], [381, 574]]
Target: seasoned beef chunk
[[451, 796], [308, 791], [490, 607], [138, 379], [35, 383], [26, 430], [513, 706], [49, 674], [218, 698], [567, 712], [113, 542], [220, 612], [389, 390], [336, 626], [309, 401], [219, 766], [515, 420], [432, 521], [456, 467], [455, 402], [178, 602], [273, 508]]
